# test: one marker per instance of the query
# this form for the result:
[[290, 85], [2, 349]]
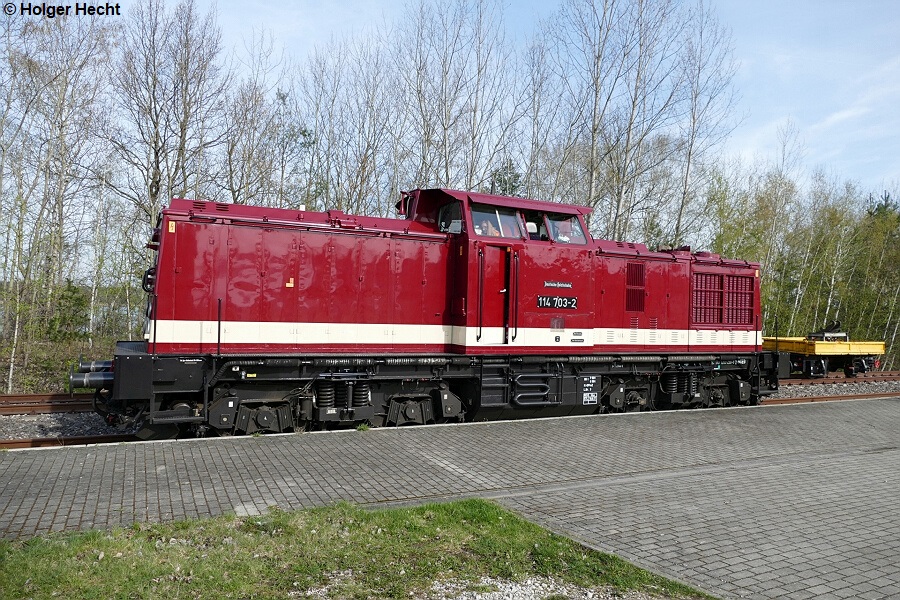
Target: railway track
[[39, 404], [807, 399], [840, 378]]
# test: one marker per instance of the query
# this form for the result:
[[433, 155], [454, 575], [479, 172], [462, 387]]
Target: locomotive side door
[[501, 230], [494, 292]]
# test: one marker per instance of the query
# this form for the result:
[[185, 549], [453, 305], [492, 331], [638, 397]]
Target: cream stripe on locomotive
[[676, 337], [254, 332]]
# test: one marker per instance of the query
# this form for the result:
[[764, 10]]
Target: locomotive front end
[[121, 385]]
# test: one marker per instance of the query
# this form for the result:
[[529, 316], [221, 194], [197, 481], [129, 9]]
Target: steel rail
[[841, 379], [34, 404]]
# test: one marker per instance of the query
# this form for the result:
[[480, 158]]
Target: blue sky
[[829, 67], [832, 67]]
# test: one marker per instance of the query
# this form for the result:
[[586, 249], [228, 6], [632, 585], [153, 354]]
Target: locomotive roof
[[334, 218], [243, 213], [286, 216], [513, 202], [248, 211]]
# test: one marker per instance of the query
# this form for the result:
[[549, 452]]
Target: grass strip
[[341, 551]]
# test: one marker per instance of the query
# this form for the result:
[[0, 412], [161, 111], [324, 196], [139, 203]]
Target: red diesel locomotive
[[471, 306]]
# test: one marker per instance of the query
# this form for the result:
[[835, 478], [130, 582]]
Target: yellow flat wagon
[[815, 357]]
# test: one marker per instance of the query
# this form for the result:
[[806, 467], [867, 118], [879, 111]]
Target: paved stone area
[[773, 502]]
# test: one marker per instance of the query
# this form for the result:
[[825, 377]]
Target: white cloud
[[838, 118]]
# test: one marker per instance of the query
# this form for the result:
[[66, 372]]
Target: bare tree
[[649, 107], [265, 140], [289, 144], [321, 85], [642, 95], [590, 59], [247, 163], [456, 69], [547, 140], [368, 118], [56, 77], [171, 86], [708, 73], [350, 97]]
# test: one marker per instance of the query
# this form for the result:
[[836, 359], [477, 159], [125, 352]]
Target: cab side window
[[450, 218], [494, 221]]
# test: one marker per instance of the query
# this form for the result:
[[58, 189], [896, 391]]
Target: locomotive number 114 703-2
[[557, 302]]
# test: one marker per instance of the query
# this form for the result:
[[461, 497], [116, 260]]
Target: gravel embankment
[[838, 389], [16, 427]]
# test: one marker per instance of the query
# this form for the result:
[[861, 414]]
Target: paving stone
[[766, 502]]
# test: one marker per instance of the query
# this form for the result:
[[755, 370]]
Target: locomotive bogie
[[471, 307]]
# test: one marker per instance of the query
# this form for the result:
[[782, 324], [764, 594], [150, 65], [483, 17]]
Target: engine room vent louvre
[[634, 287], [199, 206], [707, 298], [738, 300], [722, 299], [634, 275], [222, 207]]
